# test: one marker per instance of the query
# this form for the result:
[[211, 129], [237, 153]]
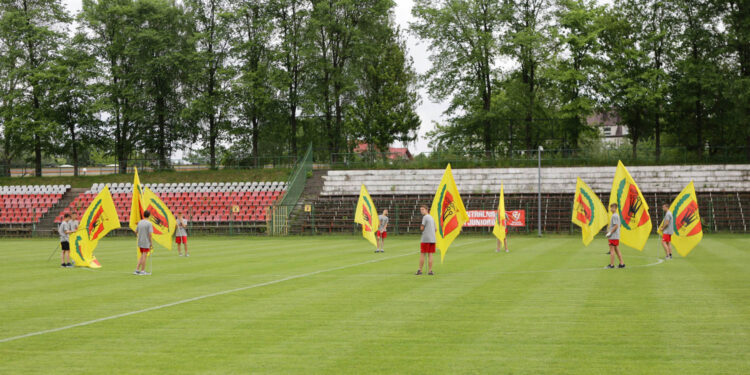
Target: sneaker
[[144, 273], [609, 267], [430, 273], [377, 251], [621, 266], [418, 272], [507, 251], [136, 272], [187, 255], [180, 254], [670, 256], [64, 265]]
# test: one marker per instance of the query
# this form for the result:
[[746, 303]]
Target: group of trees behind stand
[[235, 81], [525, 73]]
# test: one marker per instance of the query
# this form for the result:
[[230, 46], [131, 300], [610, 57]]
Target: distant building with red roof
[[394, 153], [610, 126]]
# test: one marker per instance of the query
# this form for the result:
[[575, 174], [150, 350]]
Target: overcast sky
[[428, 111]]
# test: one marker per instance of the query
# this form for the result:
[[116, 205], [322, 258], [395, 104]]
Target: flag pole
[[53, 252]]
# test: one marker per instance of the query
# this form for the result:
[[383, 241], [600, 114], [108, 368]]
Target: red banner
[[485, 218]]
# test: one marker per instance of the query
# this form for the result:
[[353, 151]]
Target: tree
[[531, 44], [40, 26], [212, 74], [463, 37], [292, 17], [576, 66], [386, 96]]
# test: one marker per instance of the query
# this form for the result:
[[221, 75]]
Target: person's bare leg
[[612, 256], [505, 243], [665, 245], [62, 257], [382, 244], [142, 262], [619, 255], [185, 246], [430, 262], [497, 248], [421, 261]]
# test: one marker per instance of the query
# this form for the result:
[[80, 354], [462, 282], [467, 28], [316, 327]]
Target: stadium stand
[[28, 204], [210, 202], [723, 193]]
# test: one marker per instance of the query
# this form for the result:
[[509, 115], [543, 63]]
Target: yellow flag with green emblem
[[635, 222], [501, 225], [136, 204], [366, 215], [686, 222], [588, 212], [448, 211], [99, 219], [161, 217]]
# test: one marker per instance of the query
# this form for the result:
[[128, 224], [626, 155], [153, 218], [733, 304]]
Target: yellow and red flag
[[448, 211], [588, 212], [136, 204], [99, 219], [686, 222], [635, 222], [366, 215], [161, 217], [501, 225]]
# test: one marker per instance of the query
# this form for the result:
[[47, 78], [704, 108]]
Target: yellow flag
[[686, 221], [448, 211], [366, 215], [83, 251], [161, 217], [588, 212], [99, 219], [635, 222], [136, 204], [501, 225]]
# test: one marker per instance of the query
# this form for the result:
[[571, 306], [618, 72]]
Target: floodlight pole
[[539, 192]]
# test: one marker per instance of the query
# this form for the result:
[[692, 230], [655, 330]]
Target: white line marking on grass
[[198, 298], [89, 322]]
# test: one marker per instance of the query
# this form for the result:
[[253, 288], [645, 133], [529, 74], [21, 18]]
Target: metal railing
[[278, 214]]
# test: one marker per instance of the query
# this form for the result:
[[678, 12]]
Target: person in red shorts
[[667, 230], [144, 230], [382, 232], [428, 240], [181, 234], [613, 235]]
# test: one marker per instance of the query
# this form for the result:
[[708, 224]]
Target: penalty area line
[[198, 298]]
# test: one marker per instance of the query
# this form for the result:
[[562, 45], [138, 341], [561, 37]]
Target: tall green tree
[[40, 25], [386, 97], [463, 37], [212, 74]]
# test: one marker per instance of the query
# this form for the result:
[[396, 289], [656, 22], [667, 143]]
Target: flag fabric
[[367, 215], [686, 222], [82, 253], [99, 219], [588, 212], [635, 221], [501, 225], [161, 217], [136, 204], [448, 211]]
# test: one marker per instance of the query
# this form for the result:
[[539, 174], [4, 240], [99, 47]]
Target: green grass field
[[328, 305]]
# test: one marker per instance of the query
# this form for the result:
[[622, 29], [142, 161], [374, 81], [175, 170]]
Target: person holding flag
[[687, 231], [613, 235], [501, 223], [64, 231], [162, 220], [366, 215], [382, 232], [427, 245], [448, 212], [666, 230], [144, 232], [181, 234], [632, 209], [588, 212]]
